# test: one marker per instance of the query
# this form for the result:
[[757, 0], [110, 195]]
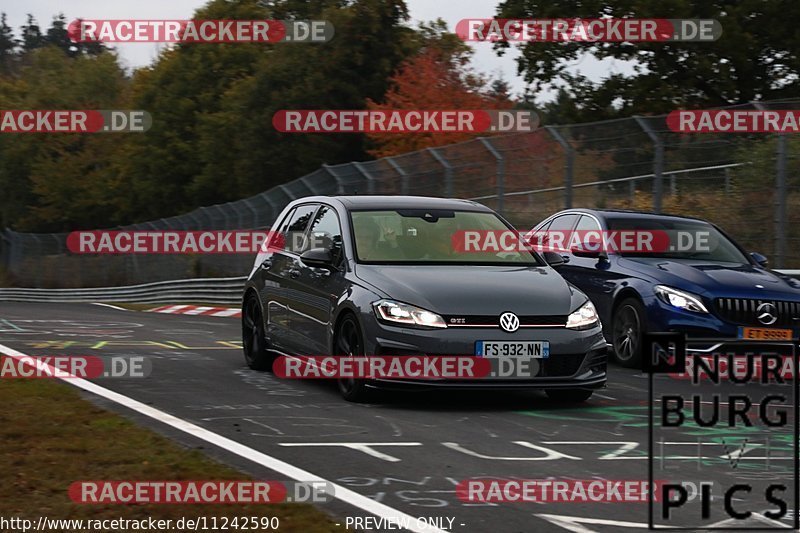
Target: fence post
[[781, 193], [193, 216], [339, 185], [403, 175], [779, 198], [225, 220], [255, 215], [366, 174], [569, 165], [658, 163], [273, 210], [448, 171], [501, 172]]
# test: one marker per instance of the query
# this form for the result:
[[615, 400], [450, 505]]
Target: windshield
[[688, 239], [426, 236]]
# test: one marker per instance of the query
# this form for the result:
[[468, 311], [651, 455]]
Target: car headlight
[[680, 299], [407, 315], [584, 317]]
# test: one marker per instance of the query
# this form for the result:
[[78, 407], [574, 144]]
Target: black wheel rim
[[251, 330], [627, 328], [348, 344]]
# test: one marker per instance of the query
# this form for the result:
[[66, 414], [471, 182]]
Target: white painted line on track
[[604, 396], [341, 493], [111, 306]]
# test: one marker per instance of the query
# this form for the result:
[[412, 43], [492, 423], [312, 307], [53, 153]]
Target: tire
[[254, 339], [349, 342], [627, 327], [569, 395]]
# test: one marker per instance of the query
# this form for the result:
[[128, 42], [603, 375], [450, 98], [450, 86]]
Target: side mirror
[[318, 258], [594, 251], [554, 259], [760, 259]]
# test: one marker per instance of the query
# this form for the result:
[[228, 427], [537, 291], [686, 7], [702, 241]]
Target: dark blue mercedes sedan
[[710, 287]]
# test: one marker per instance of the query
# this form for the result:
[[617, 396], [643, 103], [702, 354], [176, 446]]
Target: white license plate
[[523, 349]]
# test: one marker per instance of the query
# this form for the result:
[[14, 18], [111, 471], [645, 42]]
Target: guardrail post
[[368, 175], [403, 175], [501, 172], [448, 171], [658, 163], [569, 164]]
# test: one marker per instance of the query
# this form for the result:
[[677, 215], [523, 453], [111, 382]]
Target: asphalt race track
[[419, 446]]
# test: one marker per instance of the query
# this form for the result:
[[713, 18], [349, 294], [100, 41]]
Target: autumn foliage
[[431, 80]]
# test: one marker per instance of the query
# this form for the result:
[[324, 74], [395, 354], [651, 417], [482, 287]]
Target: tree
[[8, 46], [61, 181], [239, 151], [755, 58], [32, 35], [434, 79]]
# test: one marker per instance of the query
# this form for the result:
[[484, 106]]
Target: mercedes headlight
[[584, 317], [406, 315], [680, 299]]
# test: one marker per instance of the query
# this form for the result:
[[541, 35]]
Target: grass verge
[[51, 437]]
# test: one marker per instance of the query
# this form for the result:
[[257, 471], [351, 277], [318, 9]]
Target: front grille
[[743, 311], [560, 366], [493, 321]]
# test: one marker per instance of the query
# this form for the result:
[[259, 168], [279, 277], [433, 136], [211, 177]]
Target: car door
[[321, 287], [592, 275], [282, 291]]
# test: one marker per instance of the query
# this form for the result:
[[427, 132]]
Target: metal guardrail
[[203, 290]]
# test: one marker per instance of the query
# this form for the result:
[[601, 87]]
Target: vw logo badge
[[767, 313], [509, 322]]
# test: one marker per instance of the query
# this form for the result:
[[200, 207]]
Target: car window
[[293, 232], [564, 222], [544, 240], [434, 236], [326, 232], [688, 239], [587, 224]]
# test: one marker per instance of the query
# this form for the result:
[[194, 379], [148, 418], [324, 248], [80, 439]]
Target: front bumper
[[663, 317], [577, 358]]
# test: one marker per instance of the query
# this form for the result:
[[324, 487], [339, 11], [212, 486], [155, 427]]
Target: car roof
[[628, 213], [355, 203]]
